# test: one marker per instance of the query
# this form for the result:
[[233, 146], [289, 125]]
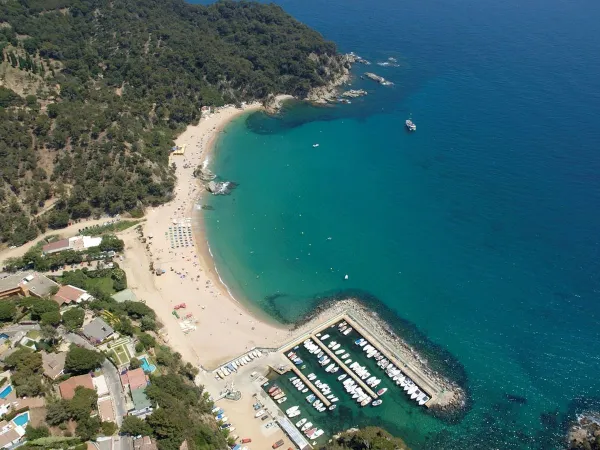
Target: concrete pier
[[311, 386], [414, 375], [346, 369]]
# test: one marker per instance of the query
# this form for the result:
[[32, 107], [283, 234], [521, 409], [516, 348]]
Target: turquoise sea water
[[477, 235]]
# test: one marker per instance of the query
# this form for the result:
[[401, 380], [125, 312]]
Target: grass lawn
[[33, 334], [104, 284], [120, 354], [111, 228]]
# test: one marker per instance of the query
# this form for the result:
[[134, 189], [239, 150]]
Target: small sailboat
[[315, 145]]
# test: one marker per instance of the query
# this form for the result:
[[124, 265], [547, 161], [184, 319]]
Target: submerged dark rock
[[516, 399]]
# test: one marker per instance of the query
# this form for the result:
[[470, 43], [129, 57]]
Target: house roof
[[140, 399], [7, 438], [56, 246], [36, 283], [135, 378], [106, 409], [53, 363], [67, 388], [68, 294], [98, 329], [125, 295], [144, 443], [100, 385]]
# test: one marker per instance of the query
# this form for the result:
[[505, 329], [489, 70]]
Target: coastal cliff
[[337, 72]]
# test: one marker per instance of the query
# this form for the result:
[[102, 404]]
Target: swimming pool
[[21, 419], [7, 390], [146, 366]]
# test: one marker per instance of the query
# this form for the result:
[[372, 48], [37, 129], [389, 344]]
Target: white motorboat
[[301, 422]]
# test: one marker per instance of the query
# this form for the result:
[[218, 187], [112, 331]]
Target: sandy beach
[[224, 328]]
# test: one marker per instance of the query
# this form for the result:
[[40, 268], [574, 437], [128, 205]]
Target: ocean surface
[[477, 236]]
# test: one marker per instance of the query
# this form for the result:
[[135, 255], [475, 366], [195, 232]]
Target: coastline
[[223, 327], [220, 327]]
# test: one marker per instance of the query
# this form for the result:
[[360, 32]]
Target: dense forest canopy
[[92, 93]]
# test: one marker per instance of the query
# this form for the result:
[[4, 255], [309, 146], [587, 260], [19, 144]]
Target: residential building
[[106, 409], [126, 295], [134, 379], [142, 406], [68, 294], [53, 364], [100, 385], [10, 434], [25, 284], [75, 243], [97, 330], [56, 246], [144, 443], [67, 387]]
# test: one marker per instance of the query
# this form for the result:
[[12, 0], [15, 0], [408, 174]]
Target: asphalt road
[[113, 379]]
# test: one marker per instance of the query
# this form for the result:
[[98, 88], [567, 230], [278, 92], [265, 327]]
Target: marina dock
[[355, 377], [418, 378], [311, 386]]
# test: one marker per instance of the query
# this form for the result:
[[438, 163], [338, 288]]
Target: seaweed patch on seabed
[[434, 360]]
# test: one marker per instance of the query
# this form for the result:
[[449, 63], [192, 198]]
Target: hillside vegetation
[[92, 93], [368, 438]]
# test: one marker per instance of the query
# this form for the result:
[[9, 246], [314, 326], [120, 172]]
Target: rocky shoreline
[[585, 432], [328, 92], [450, 406]]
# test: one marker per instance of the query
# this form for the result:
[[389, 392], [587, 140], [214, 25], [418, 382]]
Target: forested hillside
[[92, 93]]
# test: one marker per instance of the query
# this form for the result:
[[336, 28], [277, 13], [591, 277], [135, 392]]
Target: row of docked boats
[[295, 358], [304, 425], [350, 385], [357, 393], [324, 388], [394, 373], [222, 419], [234, 365], [277, 394], [307, 428], [323, 359]]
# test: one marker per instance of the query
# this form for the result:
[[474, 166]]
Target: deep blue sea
[[479, 233]]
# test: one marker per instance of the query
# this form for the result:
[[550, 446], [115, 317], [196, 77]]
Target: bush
[[82, 360], [134, 363], [32, 433], [8, 310], [52, 318], [147, 341], [73, 318], [134, 426], [27, 371]]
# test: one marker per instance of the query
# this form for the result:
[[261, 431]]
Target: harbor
[[335, 374]]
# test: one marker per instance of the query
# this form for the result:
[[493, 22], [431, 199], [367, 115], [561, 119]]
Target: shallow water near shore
[[480, 229]]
